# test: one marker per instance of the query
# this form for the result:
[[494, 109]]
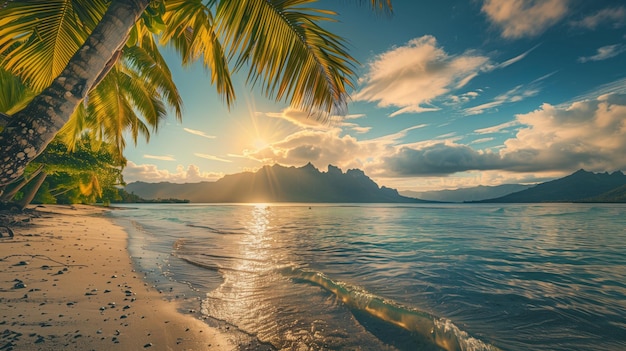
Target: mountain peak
[[309, 167], [334, 170]]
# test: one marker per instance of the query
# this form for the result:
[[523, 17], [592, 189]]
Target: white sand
[[67, 283]]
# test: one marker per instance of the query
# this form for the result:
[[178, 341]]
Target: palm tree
[[139, 81], [280, 42]]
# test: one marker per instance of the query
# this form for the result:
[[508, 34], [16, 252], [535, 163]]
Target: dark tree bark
[[9, 195], [31, 129], [28, 197]]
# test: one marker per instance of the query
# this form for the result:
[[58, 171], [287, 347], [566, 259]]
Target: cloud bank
[[151, 173], [586, 134]]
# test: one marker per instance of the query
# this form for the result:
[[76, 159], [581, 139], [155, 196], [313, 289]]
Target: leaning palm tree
[[280, 42], [132, 96]]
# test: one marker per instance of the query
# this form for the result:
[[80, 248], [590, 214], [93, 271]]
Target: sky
[[450, 94]]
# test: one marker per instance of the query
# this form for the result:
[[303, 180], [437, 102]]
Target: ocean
[[392, 277]]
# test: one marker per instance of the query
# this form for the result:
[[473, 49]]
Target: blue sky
[[450, 94]]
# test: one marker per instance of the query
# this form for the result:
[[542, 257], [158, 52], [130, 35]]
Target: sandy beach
[[67, 283]]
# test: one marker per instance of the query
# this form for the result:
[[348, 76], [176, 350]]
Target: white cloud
[[524, 18], [355, 116], [162, 157], [413, 75], [463, 98], [605, 52], [304, 119], [481, 140], [516, 94], [318, 147], [151, 173], [516, 58], [413, 109], [615, 17], [393, 138], [356, 128], [199, 133], [615, 87], [211, 157], [586, 134], [497, 129]]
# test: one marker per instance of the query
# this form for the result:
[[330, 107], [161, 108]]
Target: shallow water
[[387, 277]]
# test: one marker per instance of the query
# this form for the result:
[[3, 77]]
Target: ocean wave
[[435, 330]]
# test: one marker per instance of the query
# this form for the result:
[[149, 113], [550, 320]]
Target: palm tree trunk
[[9, 195], [30, 195], [31, 129]]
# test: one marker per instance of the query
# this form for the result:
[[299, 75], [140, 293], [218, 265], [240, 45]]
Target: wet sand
[[67, 283]]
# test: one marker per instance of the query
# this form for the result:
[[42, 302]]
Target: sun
[[259, 143]]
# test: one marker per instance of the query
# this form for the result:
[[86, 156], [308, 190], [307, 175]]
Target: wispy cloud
[[304, 119], [481, 140], [162, 157], [410, 77], [199, 133], [463, 98], [393, 138], [605, 52], [355, 127], [524, 18], [614, 17], [516, 58], [516, 94], [355, 116], [615, 87], [497, 129], [212, 157]]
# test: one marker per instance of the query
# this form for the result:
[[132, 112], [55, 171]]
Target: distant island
[[278, 184]]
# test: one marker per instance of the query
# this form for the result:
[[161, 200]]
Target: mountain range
[[278, 184], [580, 186], [477, 193], [307, 184]]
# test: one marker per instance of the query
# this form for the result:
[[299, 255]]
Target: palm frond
[[120, 103], [75, 127], [151, 67], [145, 98], [15, 95], [383, 6], [38, 37], [191, 31], [284, 46]]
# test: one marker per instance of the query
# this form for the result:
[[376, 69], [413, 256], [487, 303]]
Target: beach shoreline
[[68, 282]]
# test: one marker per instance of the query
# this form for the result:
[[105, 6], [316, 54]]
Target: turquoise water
[[394, 277]]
